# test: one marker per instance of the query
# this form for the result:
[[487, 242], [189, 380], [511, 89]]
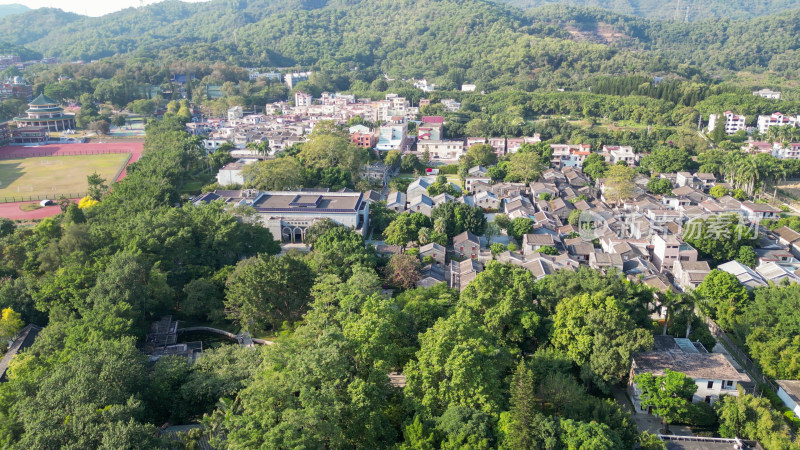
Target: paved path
[[13, 211]]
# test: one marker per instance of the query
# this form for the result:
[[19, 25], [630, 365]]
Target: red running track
[[13, 211]]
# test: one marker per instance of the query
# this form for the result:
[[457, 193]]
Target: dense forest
[[466, 40], [680, 10]]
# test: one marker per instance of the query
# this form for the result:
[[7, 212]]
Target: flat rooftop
[[307, 201]]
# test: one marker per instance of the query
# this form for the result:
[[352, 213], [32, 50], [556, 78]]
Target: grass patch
[[53, 176], [27, 207]]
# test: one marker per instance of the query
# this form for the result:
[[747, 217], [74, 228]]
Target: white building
[[786, 151], [302, 99], [767, 93], [392, 137], [231, 174], [789, 392], [293, 78], [468, 88], [451, 105], [235, 113], [616, 153], [776, 119], [748, 277], [733, 123], [442, 150], [668, 249]]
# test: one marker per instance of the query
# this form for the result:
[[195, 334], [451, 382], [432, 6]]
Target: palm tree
[[747, 174], [732, 162], [261, 147]]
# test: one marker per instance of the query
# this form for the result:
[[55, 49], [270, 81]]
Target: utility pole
[[687, 14]]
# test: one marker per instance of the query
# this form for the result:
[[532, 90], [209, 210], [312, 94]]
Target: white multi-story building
[[442, 150], [775, 120], [733, 122], [668, 249], [292, 79], [392, 137], [565, 155], [301, 99], [616, 153], [786, 151]]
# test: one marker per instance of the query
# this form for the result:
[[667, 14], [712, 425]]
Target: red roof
[[432, 119]]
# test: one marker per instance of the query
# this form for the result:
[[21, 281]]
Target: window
[[729, 383], [710, 385], [708, 399]]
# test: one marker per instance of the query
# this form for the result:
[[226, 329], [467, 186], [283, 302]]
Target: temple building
[[288, 214], [44, 112]]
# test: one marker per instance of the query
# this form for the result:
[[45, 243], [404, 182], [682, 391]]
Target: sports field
[[53, 176]]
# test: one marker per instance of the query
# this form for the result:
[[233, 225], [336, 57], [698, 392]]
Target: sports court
[[52, 171]]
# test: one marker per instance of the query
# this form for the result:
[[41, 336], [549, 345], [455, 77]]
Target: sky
[[85, 7]]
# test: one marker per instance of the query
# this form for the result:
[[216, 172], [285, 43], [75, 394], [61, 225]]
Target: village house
[[467, 245], [616, 153], [396, 201], [689, 274], [756, 212], [533, 242], [434, 250], [747, 277], [713, 374], [461, 273]]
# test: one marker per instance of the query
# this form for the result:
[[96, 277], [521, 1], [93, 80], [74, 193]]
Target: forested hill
[[693, 10], [463, 40]]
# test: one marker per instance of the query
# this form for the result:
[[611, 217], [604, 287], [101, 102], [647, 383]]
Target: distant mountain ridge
[[14, 8]]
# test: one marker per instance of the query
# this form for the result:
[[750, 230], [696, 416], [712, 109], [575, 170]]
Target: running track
[[12, 211]]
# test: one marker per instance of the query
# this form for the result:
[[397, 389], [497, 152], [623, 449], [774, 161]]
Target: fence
[[32, 198], [741, 357], [59, 152]]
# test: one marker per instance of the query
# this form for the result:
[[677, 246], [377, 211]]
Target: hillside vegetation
[[464, 40], [677, 9]]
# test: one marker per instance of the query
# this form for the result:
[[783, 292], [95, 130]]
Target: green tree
[[340, 249], [724, 298], [525, 167], [479, 155], [599, 336], [619, 183], [520, 226], [747, 256], [666, 394], [523, 426], [718, 191], [748, 417], [405, 228], [502, 297], [659, 186], [267, 290], [10, 323], [667, 160], [274, 175], [595, 166], [718, 133], [459, 363], [97, 186]]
